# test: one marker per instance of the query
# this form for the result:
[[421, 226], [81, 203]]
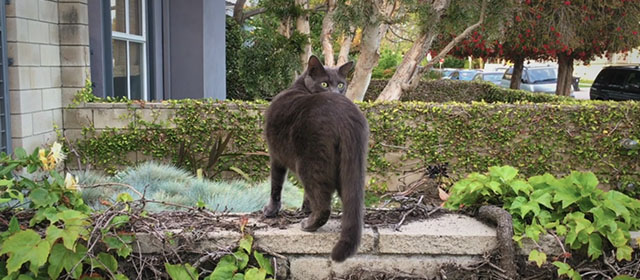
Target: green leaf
[[561, 230], [108, 261], [567, 196], [62, 257], [242, 259], [617, 238], [6, 170], [246, 242], [521, 186], [42, 197], [624, 253], [120, 244], [20, 153], [121, 277], [495, 187], [25, 246], [531, 206], [120, 220], [255, 274], [505, 173], [542, 197], [14, 226], [624, 277], [124, 197], [565, 269], [263, 262], [595, 246], [75, 224], [181, 271], [587, 180], [225, 268], [6, 183], [538, 257]]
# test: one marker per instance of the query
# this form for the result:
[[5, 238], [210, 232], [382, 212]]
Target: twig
[[404, 216]]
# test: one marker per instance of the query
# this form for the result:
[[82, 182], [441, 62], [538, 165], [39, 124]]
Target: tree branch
[[416, 78]]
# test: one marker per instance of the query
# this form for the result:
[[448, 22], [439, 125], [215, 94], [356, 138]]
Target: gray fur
[[313, 130]]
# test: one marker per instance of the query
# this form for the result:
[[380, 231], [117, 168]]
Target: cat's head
[[320, 79]]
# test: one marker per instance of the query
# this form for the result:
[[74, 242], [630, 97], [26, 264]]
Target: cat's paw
[[306, 226], [271, 210]]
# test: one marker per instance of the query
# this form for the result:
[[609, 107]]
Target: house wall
[[48, 43]]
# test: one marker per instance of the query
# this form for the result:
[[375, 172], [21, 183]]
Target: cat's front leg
[[278, 174]]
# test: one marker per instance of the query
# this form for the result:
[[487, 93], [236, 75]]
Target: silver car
[[534, 79]]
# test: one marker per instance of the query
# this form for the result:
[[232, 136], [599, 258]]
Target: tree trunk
[[302, 26], [345, 47], [504, 231], [407, 69], [325, 35], [408, 74], [238, 14], [565, 75], [372, 34], [516, 76], [285, 27]]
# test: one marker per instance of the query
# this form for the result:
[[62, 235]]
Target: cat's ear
[[315, 67], [345, 68]]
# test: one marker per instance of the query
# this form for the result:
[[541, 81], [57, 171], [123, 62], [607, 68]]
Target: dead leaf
[[443, 195]]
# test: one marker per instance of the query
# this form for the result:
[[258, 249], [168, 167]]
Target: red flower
[[567, 3]]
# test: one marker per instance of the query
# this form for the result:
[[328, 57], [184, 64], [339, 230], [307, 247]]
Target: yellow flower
[[56, 152], [43, 158], [71, 182]]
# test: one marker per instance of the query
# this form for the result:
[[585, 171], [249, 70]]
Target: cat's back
[[324, 110]]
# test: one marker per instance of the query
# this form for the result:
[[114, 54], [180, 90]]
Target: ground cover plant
[[589, 220]]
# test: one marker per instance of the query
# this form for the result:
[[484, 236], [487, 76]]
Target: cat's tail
[[352, 180]]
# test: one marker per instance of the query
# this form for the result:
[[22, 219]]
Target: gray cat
[[315, 131]]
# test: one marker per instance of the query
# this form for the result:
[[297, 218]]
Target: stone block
[[157, 116], [38, 32], [77, 118], [547, 244], [21, 125], [51, 98], [40, 77], [426, 266], [42, 122], [54, 37], [448, 234], [17, 30], [73, 76], [74, 55], [50, 55], [294, 240], [186, 241], [74, 34], [57, 119], [67, 96], [24, 9], [56, 77], [112, 118], [25, 101], [48, 11], [305, 268], [73, 13], [73, 134], [28, 143], [24, 54]]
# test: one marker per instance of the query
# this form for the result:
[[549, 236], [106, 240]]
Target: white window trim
[[128, 38]]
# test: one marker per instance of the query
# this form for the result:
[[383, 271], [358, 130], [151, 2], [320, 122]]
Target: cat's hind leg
[[318, 190], [278, 174]]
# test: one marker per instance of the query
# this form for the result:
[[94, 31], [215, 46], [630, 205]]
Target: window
[[129, 48], [618, 77]]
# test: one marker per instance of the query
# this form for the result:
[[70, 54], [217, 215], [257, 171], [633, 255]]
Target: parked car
[[617, 83], [493, 77], [534, 79], [462, 75]]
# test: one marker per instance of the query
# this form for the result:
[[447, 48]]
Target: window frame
[[5, 124], [129, 38]]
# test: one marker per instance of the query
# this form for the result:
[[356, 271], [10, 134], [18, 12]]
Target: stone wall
[[48, 42]]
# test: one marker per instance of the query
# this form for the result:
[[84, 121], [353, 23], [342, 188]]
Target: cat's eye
[[324, 84], [341, 85]]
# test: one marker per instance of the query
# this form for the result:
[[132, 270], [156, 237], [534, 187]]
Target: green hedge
[[535, 138], [441, 91]]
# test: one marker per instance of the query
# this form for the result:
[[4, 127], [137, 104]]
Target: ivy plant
[[52, 242], [572, 207]]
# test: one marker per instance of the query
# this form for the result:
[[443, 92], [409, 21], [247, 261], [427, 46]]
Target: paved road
[[582, 94]]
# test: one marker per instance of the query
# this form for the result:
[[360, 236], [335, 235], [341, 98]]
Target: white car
[[534, 79]]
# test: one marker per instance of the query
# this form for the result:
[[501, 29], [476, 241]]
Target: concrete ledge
[[419, 247]]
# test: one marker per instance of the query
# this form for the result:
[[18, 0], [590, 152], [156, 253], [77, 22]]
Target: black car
[[617, 83]]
